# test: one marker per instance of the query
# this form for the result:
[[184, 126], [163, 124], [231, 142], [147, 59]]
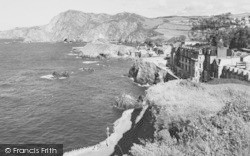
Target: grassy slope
[[199, 119]]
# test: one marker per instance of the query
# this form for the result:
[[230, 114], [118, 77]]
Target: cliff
[[180, 118], [144, 72], [79, 26], [151, 70], [117, 143], [123, 27], [198, 119]]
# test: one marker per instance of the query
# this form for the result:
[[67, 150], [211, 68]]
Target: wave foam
[[72, 54], [49, 77], [89, 62]]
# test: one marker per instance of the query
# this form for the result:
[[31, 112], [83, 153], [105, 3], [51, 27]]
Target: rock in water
[[60, 75], [65, 74]]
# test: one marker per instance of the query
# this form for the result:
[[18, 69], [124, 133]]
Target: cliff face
[[144, 72], [76, 25], [125, 27]]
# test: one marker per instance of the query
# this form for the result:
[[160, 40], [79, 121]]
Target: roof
[[244, 55], [246, 49]]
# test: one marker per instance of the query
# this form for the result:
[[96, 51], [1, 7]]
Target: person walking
[[108, 133]]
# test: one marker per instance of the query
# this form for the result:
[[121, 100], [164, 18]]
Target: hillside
[[198, 119], [125, 27]]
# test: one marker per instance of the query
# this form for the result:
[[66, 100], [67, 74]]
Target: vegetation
[[202, 132], [152, 42], [181, 38], [226, 81], [240, 38], [233, 32]]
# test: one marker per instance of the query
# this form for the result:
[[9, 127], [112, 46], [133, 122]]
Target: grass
[[188, 124], [226, 81]]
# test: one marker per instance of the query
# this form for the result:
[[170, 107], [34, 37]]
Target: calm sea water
[[73, 111]]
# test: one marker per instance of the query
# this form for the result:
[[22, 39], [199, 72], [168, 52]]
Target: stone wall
[[230, 72]]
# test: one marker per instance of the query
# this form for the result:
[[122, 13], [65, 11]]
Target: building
[[231, 72], [219, 63], [188, 61], [239, 70], [201, 62]]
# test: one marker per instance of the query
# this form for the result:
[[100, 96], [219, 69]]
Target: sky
[[23, 13]]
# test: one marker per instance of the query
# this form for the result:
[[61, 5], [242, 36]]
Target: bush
[[190, 84], [226, 132], [154, 149]]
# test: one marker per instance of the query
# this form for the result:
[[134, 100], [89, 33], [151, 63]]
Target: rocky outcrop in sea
[[104, 50]]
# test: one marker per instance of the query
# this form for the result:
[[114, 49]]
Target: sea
[[75, 111]]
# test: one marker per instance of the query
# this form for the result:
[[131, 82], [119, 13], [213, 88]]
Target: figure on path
[[107, 135]]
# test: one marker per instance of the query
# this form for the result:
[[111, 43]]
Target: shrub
[[225, 132], [190, 84]]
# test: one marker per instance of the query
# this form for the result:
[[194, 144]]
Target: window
[[200, 65]]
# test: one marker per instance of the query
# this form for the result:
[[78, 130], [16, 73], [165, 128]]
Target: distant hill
[[125, 27]]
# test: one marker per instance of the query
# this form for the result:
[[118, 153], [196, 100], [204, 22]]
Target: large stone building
[[192, 61], [204, 62]]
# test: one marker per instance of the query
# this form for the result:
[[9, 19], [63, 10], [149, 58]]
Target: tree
[[240, 39], [149, 42], [217, 27], [233, 32]]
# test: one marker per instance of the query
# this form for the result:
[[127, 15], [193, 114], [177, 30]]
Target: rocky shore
[[149, 71], [179, 117], [112, 145], [104, 50]]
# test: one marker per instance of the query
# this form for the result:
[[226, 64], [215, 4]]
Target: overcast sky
[[20, 13]]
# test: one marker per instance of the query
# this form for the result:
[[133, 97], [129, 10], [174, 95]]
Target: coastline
[[109, 146], [121, 125], [125, 127], [174, 106]]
